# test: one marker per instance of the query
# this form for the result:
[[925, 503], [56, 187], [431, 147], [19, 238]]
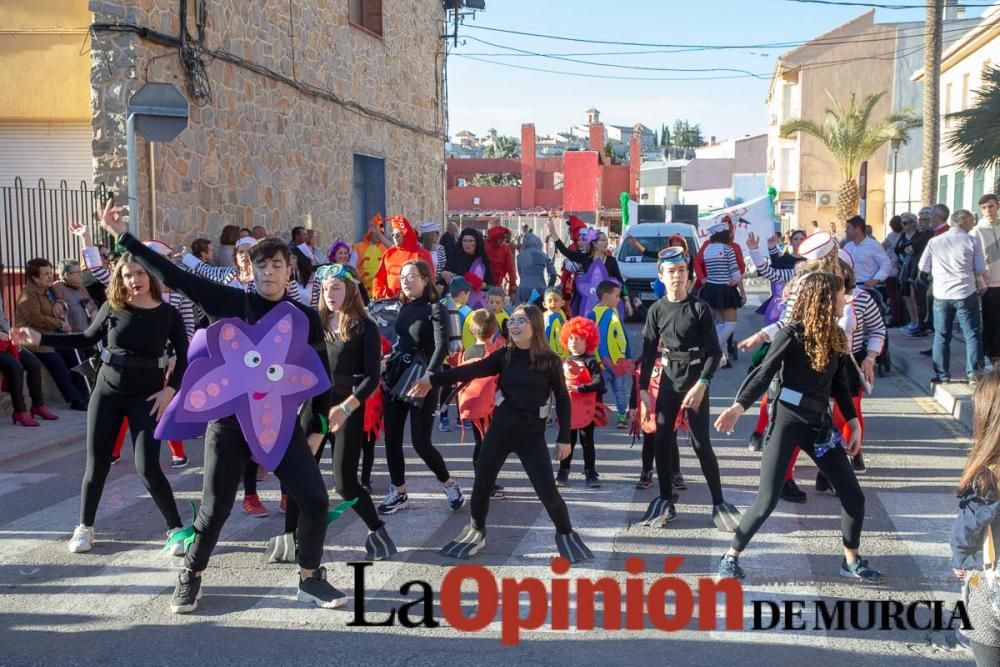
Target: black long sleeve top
[[355, 364], [423, 327], [596, 384], [219, 301], [524, 389], [787, 355], [679, 326], [134, 332], [585, 260]]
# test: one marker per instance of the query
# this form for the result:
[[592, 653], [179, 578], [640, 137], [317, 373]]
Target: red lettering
[[451, 597], [560, 595], [707, 592], [611, 601], [512, 622], [634, 618]]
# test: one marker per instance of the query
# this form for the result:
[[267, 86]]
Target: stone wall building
[[311, 112]]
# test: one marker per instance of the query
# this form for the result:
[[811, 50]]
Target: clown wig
[[582, 327]]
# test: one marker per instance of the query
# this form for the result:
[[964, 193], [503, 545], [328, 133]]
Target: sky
[[482, 95]]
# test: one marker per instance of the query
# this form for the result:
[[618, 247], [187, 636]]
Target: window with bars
[[978, 184], [959, 191], [366, 14], [943, 188]]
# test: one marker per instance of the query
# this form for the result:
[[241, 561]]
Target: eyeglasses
[[518, 321], [410, 277], [338, 271]]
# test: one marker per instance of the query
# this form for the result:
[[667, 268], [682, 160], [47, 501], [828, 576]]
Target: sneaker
[[562, 477], [281, 549], [444, 424], [926, 353], [859, 464], [660, 512], [756, 442], [253, 507], [394, 501], [318, 591], [791, 492], [78, 406], [186, 593], [572, 548], [178, 548], [725, 363], [178, 462], [468, 543], [82, 540], [677, 481], [940, 380], [454, 495], [379, 546], [115, 459], [622, 423], [726, 517], [859, 570], [729, 568], [645, 480], [498, 492], [593, 479], [283, 506]]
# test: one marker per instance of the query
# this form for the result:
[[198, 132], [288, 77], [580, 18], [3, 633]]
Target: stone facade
[[262, 152]]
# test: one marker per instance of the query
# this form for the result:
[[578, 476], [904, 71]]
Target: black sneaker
[[562, 477], [660, 512], [186, 593], [792, 493], [318, 591], [394, 501], [498, 492], [926, 353], [729, 568], [859, 464], [468, 543], [379, 546], [859, 570], [178, 462], [645, 480], [593, 479], [677, 481], [756, 442]]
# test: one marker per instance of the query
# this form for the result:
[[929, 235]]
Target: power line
[[877, 5], [605, 76]]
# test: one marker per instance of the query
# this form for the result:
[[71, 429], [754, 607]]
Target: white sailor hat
[[429, 226], [158, 247], [817, 245], [846, 257], [670, 254], [718, 228], [249, 240]]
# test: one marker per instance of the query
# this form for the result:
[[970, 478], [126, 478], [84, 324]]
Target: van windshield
[[631, 254]]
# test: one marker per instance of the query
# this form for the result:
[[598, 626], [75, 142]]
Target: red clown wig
[[582, 327]]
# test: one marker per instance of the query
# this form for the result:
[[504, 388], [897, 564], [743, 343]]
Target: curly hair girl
[[582, 327], [816, 307]]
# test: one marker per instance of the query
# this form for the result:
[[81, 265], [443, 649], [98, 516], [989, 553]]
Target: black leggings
[[421, 427], [668, 404], [105, 413], [15, 371], [791, 429], [250, 480], [523, 435], [368, 457], [56, 367], [587, 443], [226, 457], [649, 454]]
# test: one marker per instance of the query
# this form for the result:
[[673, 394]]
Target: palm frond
[[976, 137]]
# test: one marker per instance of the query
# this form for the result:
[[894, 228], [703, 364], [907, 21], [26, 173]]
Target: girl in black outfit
[[471, 247], [353, 349], [422, 329], [809, 357], [597, 249], [137, 325], [528, 373]]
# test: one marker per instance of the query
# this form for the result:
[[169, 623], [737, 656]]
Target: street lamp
[[894, 142]]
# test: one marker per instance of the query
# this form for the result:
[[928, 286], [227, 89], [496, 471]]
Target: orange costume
[[386, 282], [369, 252]]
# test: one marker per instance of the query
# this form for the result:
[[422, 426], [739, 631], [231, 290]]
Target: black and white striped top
[[720, 264]]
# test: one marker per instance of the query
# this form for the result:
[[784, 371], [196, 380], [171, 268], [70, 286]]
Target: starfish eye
[[275, 372], [252, 359]]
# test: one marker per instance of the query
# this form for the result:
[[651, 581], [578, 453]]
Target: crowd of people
[[484, 327]]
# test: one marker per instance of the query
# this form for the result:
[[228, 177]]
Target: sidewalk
[[955, 397], [18, 443]]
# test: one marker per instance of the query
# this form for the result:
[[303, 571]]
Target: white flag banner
[[756, 215]]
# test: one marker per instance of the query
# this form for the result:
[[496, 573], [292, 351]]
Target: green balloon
[[624, 199], [772, 192]]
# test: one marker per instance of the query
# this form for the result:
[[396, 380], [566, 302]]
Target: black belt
[[810, 404], [130, 361], [684, 355]]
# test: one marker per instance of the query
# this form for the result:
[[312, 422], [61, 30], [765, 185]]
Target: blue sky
[[484, 95]]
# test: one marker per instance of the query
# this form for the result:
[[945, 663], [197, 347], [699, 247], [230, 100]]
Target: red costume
[[477, 398], [567, 277], [501, 258], [386, 282], [583, 375], [699, 260]]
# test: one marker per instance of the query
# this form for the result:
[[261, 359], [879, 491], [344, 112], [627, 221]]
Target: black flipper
[[379, 546], [468, 543], [726, 517], [281, 549], [572, 548], [660, 512]]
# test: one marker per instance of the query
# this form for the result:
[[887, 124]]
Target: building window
[[369, 191], [965, 92], [366, 14], [959, 190], [947, 105], [978, 183], [943, 188]]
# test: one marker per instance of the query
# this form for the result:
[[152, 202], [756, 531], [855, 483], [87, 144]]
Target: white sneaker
[[177, 549], [82, 540]]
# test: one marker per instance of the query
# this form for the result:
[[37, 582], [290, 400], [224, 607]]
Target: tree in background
[[851, 137], [976, 137], [502, 147]]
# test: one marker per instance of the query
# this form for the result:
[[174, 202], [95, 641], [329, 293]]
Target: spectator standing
[[988, 234], [892, 282], [532, 264], [871, 264], [956, 265]]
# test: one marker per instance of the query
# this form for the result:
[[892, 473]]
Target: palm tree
[[851, 137], [930, 160], [976, 137]]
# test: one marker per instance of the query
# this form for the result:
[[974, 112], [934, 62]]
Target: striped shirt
[[767, 270], [720, 264]]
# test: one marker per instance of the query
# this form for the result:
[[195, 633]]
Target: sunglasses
[[338, 271]]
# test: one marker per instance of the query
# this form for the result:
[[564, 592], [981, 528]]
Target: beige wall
[[262, 152], [43, 76]]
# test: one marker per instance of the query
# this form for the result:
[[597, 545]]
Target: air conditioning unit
[[826, 198]]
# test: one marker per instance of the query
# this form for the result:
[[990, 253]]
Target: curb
[[955, 399], [61, 443]]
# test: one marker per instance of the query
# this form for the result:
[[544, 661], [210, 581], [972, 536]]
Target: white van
[[638, 271]]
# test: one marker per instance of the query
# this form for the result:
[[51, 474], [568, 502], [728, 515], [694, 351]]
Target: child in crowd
[[477, 398], [457, 303], [613, 348], [555, 318], [585, 383], [495, 300]]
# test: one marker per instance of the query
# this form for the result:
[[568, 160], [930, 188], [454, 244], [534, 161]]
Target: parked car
[[639, 271]]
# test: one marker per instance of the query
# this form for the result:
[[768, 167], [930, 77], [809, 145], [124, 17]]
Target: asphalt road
[[110, 606]]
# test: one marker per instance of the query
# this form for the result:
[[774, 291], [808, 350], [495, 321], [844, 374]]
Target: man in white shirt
[[988, 234], [955, 262], [871, 264]]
